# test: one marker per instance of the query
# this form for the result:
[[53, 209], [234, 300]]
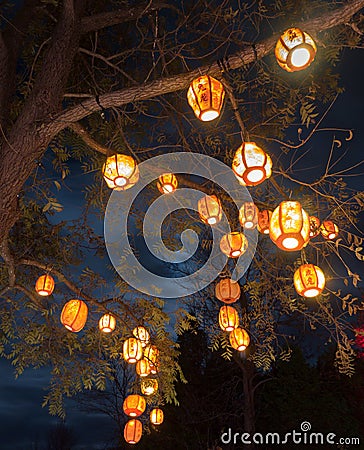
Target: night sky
[[22, 420]]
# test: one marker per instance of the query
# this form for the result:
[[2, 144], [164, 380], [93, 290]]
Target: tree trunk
[[249, 405]]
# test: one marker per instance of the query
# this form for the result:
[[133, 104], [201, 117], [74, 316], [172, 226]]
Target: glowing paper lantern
[[167, 183], [263, 221], [239, 339], [209, 209], [143, 367], [289, 226], [120, 172], [74, 315], [134, 405], [295, 50], [309, 280], [142, 334], [329, 230], [205, 96], [132, 350], [314, 226], [248, 215], [107, 323], [251, 165], [44, 285], [228, 318], [149, 386], [151, 353], [156, 416], [227, 290], [133, 431], [233, 244]]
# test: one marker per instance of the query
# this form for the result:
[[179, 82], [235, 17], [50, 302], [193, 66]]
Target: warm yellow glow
[[167, 183], [227, 290], [251, 165], [329, 230], [149, 386], [142, 334], [120, 172], [239, 339], [107, 323], [248, 215], [133, 431], [143, 368], [44, 285], [295, 50], [74, 315], [264, 221], [233, 244], [309, 280], [314, 226], [134, 405], [205, 96], [289, 226], [132, 350], [209, 209], [156, 416], [228, 318]]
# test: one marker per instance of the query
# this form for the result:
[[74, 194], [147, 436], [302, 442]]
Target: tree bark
[[249, 404], [40, 119]]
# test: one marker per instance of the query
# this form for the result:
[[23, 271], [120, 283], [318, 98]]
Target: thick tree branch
[[80, 130], [181, 81], [110, 18]]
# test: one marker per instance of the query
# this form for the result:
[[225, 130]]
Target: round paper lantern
[[132, 350], [314, 226], [156, 416], [74, 315], [134, 405], [227, 290], [149, 386], [133, 431], [167, 183], [248, 215], [44, 285], [295, 50], [107, 323], [233, 244], [142, 334], [205, 96], [228, 318], [209, 209], [289, 226], [251, 165], [120, 172], [309, 280], [263, 221], [239, 339], [151, 353], [143, 368], [329, 230]]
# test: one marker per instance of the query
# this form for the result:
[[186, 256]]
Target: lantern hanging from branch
[[134, 405], [107, 323], [329, 230], [44, 285], [205, 96], [263, 221], [149, 386], [233, 244], [251, 165], [151, 353], [314, 226], [295, 50], [248, 215], [209, 209], [120, 172], [309, 280], [133, 431], [289, 226], [143, 368], [167, 183], [156, 416], [227, 290], [74, 315], [132, 350], [228, 318], [142, 334], [239, 339]]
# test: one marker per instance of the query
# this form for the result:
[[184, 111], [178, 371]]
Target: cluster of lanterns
[[228, 291], [137, 350]]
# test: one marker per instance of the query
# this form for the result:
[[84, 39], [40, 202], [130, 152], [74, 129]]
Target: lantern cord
[[103, 110], [234, 104], [255, 52]]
